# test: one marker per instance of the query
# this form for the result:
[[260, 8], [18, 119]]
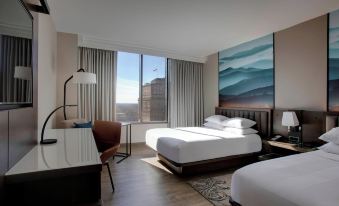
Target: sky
[[128, 74]]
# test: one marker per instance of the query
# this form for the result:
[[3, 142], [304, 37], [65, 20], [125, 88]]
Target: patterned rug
[[217, 190]]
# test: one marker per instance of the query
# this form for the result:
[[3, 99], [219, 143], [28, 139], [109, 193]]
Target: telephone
[[276, 137]]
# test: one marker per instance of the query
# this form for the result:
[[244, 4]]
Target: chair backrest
[[106, 134]]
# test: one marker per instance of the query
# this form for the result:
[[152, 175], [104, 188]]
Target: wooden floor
[[141, 180]]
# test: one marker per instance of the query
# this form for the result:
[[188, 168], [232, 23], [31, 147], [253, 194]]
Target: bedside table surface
[[289, 146]]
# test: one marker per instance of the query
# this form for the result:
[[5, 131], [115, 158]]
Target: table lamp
[[290, 119], [23, 73]]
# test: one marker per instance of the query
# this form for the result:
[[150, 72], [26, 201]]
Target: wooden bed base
[[233, 203], [204, 166]]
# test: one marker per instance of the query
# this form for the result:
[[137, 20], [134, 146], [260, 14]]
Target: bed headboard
[[331, 121], [263, 117]]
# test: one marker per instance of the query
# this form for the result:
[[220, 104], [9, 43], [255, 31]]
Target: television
[[16, 34]]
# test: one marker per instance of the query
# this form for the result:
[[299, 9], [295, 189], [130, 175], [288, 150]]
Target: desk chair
[[107, 137]]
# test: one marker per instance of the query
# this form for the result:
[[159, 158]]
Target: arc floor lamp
[[79, 77], [50, 141]]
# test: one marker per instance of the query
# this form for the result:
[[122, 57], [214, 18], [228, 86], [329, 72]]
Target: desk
[[128, 136], [62, 173]]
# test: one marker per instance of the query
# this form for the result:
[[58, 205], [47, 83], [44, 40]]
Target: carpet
[[217, 190]]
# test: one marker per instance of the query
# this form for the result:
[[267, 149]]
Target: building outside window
[[141, 88]]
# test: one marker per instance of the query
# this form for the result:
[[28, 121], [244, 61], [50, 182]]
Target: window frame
[[140, 103]]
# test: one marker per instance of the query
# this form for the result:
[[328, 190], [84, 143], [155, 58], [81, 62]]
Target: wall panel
[[210, 79], [3, 148], [21, 133], [301, 66]]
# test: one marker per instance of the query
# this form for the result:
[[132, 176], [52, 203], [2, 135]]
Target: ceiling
[[191, 29]]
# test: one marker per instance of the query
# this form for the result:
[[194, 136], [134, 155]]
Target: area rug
[[217, 190]]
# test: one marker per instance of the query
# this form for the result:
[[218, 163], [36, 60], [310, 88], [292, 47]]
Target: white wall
[[210, 85], [47, 68], [301, 66], [67, 53]]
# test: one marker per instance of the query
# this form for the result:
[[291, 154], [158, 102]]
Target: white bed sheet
[[191, 144], [308, 179]]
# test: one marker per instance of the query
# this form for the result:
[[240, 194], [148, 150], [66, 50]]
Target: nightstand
[[286, 148], [291, 147], [274, 149]]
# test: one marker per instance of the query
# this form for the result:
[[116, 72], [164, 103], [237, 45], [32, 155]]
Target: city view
[[153, 101], [153, 104]]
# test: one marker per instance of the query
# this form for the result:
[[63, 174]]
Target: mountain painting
[[246, 75], [333, 66]]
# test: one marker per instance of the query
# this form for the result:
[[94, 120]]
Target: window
[[154, 101], [127, 89], [141, 88]]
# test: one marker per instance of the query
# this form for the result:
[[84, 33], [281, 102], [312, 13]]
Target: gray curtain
[[97, 102], [14, 51], [186, 93]]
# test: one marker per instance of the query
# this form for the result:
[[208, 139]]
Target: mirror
[[16, 29]]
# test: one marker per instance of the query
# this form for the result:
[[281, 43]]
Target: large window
[[141, 88], [127, 90]]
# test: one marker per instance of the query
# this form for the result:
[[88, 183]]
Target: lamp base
[[48, 141]]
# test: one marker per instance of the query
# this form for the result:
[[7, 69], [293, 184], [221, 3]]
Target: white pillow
[[331, 136], [240, 131], [238, 122], [214, 125], [330, 148], [216, 119]]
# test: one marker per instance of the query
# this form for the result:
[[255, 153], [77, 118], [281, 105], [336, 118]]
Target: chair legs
[[110, 175]]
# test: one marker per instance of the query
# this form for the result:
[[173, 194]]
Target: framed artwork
[[333, 62], [246, 74]]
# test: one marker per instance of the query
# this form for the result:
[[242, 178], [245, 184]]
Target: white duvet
[[308, 179], [191, 144]]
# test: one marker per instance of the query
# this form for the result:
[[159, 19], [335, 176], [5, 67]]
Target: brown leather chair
[[107, 138]]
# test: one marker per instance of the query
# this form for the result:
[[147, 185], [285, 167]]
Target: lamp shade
[[24, 73], [290, 119], [84, 78]]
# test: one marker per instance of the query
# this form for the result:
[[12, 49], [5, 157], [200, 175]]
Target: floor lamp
[[79, 77], [50, 141]]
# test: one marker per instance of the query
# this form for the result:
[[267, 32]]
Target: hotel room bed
[[198, 149], [308, 179], [192, 144]]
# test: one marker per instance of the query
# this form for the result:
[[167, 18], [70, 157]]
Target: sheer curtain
[[186, 93], [97, 102]]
